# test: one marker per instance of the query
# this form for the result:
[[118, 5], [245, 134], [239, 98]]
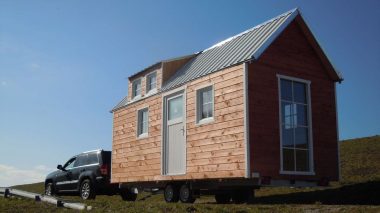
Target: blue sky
[[63, 65]]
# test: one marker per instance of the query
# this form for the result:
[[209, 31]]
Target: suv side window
[[81, 160], [70, 163], [93, 158]]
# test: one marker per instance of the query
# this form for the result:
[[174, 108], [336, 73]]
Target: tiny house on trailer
[[256, 109]]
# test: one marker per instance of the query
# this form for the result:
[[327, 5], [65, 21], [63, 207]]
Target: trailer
[[257, 109]]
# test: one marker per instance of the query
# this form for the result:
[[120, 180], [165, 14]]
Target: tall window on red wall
[[295, 124]]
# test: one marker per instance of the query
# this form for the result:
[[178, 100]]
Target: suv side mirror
[[60, 167]]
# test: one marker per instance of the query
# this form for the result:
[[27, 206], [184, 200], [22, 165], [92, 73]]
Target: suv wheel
[[87, 190], [49, 189]]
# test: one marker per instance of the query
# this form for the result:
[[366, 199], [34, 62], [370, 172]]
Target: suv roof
[[96, 150]]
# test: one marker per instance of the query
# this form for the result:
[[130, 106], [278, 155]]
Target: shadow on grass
[[367, 193]]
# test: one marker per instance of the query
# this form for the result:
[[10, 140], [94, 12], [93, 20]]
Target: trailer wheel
[[127, 195], [171, 193], [250, 196], [223, 198], [186, 194], [243, 196]]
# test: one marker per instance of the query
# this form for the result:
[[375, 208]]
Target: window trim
[[151, 91], [145, 134], [140, 95], [208, 120], [310, 127]]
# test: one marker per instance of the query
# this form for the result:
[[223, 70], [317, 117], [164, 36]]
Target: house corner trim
[[246, 122]]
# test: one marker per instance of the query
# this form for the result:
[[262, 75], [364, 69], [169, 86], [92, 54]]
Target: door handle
[[82, 170], [183, 130]]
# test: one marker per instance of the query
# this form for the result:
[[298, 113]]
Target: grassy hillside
[[358, 191], [360, 159]]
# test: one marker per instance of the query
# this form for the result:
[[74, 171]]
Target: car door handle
[[82, 170]]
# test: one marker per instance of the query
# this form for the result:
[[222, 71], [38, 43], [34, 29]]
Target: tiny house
[[256, 109]]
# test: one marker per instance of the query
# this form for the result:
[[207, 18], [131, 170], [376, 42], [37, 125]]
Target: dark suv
[[87, 173]]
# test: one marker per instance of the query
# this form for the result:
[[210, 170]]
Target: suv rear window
[[92, 158], [86, 159], [81, 160]]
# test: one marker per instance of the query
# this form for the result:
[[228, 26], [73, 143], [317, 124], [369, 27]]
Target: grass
[[358, 191], [360, 159]]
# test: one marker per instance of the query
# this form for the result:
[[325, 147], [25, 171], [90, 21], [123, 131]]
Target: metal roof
[[245, 46], [248, 45], [160, 62], [121, 103]]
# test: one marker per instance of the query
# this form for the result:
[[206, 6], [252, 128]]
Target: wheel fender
[[86, 175]]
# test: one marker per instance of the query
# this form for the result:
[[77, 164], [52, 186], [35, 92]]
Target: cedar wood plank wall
[[214, 150], [291, 55]]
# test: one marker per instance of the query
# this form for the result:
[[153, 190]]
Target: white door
[[175, 145]]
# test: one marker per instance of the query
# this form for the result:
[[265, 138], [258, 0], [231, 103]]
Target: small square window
[[136, 88], [142, 122], [205, 104], [151, 82]]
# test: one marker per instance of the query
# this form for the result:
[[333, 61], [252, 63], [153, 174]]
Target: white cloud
[[42, 168], [10, 175]]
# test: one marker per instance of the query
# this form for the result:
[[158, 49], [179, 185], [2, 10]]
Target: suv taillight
[[104, 169]]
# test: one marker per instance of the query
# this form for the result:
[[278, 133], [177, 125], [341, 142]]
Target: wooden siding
[[214, 150], [291, 55]]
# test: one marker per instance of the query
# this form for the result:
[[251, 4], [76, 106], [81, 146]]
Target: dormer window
[[136, 88], [151, 82]]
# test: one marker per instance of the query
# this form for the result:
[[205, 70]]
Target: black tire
[[223, 198], [186, 194], [239, 196], [243, 196], [250, 196], [49, 189], [127, 195], [87, 190], [171, 193]]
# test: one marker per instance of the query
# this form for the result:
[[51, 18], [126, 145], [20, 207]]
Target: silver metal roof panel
[[242, 47]]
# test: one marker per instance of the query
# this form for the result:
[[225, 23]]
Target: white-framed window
[[295, 126], [205, 105], [142, 122], [151, 82], [136, 88]]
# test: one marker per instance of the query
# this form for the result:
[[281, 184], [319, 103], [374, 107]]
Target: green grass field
[[358, 191]]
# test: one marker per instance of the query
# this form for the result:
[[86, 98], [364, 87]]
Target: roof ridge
[[249, 30]]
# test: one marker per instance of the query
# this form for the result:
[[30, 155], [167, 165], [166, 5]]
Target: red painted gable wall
[[291, 55]]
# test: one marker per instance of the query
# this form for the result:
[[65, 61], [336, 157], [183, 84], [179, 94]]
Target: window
[[151, 81], [69, 164], [295, 126], [81, 160], [136, 88], [142, 123], [205, 105], [175, 108], [93, 158]]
